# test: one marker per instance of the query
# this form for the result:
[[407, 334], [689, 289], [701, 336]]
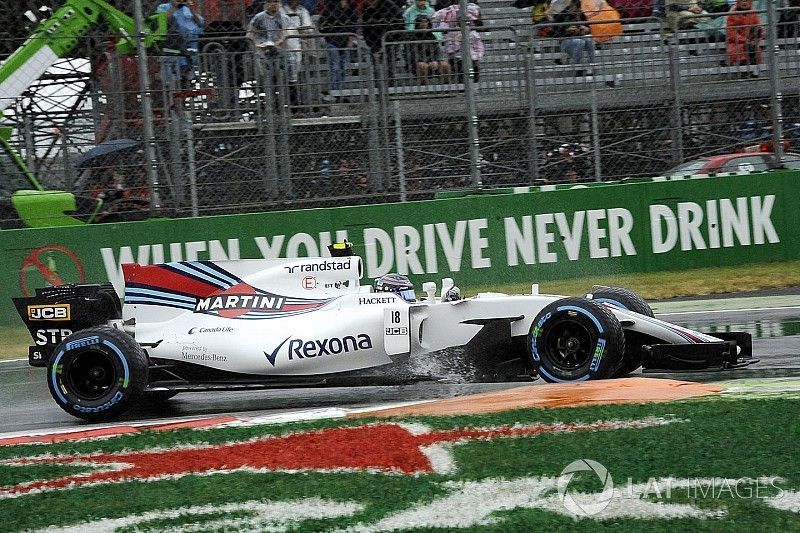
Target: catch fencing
[[333, 122]]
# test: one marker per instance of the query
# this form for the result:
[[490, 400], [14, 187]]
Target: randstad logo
[[580, 503]]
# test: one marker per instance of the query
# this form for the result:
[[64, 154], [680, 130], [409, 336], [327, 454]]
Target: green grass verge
[[694, 282], [718, 437], [14, 341]]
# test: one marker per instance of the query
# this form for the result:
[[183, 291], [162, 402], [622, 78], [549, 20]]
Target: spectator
[[378, 18], [185, 29], [576, 37], [419, 7], [629, 9], [789, 20], [569, 163], [541, 18], [269, 29], [744, 35], [685, 14], [338, 17], [447, 19], [425, 54], [716, 6], [659, 8], [299, 24]]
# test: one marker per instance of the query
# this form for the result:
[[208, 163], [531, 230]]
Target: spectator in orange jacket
[[744, 35]]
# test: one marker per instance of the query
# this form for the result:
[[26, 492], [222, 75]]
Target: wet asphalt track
[[26, 405]]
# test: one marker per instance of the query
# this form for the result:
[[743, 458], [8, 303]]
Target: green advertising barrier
[[480, 240]]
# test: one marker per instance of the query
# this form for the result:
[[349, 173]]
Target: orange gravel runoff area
[[609, 391]]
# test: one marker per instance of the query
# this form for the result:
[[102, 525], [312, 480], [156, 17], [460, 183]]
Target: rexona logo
[[319, 266], [302, 349], [49, 312]]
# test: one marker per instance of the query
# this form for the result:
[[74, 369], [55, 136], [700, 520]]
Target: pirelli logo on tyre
[[52, 312]]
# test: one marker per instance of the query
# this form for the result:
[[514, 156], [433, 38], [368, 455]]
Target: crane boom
[[60, 34]]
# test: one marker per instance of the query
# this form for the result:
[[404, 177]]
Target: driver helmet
[[396, 283]]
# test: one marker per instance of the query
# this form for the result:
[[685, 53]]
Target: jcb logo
[[49, 312]]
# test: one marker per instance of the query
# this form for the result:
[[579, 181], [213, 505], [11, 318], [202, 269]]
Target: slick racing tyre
[[625, 299], [97, 373], [575, 339]]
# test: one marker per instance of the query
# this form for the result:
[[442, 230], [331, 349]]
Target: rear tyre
[[575, 339], [97, 373], [625, 299]]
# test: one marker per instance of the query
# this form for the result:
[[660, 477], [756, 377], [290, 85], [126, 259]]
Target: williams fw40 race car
[[264, 323]]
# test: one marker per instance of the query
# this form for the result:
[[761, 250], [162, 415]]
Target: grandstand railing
[[253, 131]]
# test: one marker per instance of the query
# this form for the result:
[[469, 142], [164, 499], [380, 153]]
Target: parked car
[[737, 162]]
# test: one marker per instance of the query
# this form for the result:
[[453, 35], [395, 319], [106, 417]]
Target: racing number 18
[[395, 317]]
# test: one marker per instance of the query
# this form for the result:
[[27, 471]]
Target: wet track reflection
[[26, 405]]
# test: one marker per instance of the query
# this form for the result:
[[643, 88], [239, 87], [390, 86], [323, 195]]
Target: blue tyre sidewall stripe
[[600, 330], [612, 302], [121, 358], [53, 374], [559, 380], [585, 313], [53, 378]]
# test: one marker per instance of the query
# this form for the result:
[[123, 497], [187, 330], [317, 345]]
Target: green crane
[[23, 201]]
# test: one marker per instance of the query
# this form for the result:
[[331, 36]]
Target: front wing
[[735, 350]]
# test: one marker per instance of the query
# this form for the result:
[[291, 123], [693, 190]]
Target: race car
[[262, 323]]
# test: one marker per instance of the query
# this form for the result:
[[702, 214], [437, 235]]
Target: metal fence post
[[398, 139], [775, 96], [376, 168], [191, 162], [594, 121], [270, 152], [676, 129], [283, 101], [532, 158], [469, 94], [382, 72], [30, 145], [147, 110]]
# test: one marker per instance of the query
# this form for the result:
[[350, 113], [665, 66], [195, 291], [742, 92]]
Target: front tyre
[[574, 339], [97, 373], [629, 300]]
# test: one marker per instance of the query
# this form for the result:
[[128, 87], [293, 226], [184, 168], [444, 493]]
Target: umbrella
[[100, 154]]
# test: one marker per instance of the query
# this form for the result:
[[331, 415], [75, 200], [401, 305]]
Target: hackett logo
[[414, 450]]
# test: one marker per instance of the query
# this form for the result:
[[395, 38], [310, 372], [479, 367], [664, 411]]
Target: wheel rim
[[570, 344], [91, 375]]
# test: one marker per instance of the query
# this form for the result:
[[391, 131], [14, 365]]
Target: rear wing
[[54, 313]]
